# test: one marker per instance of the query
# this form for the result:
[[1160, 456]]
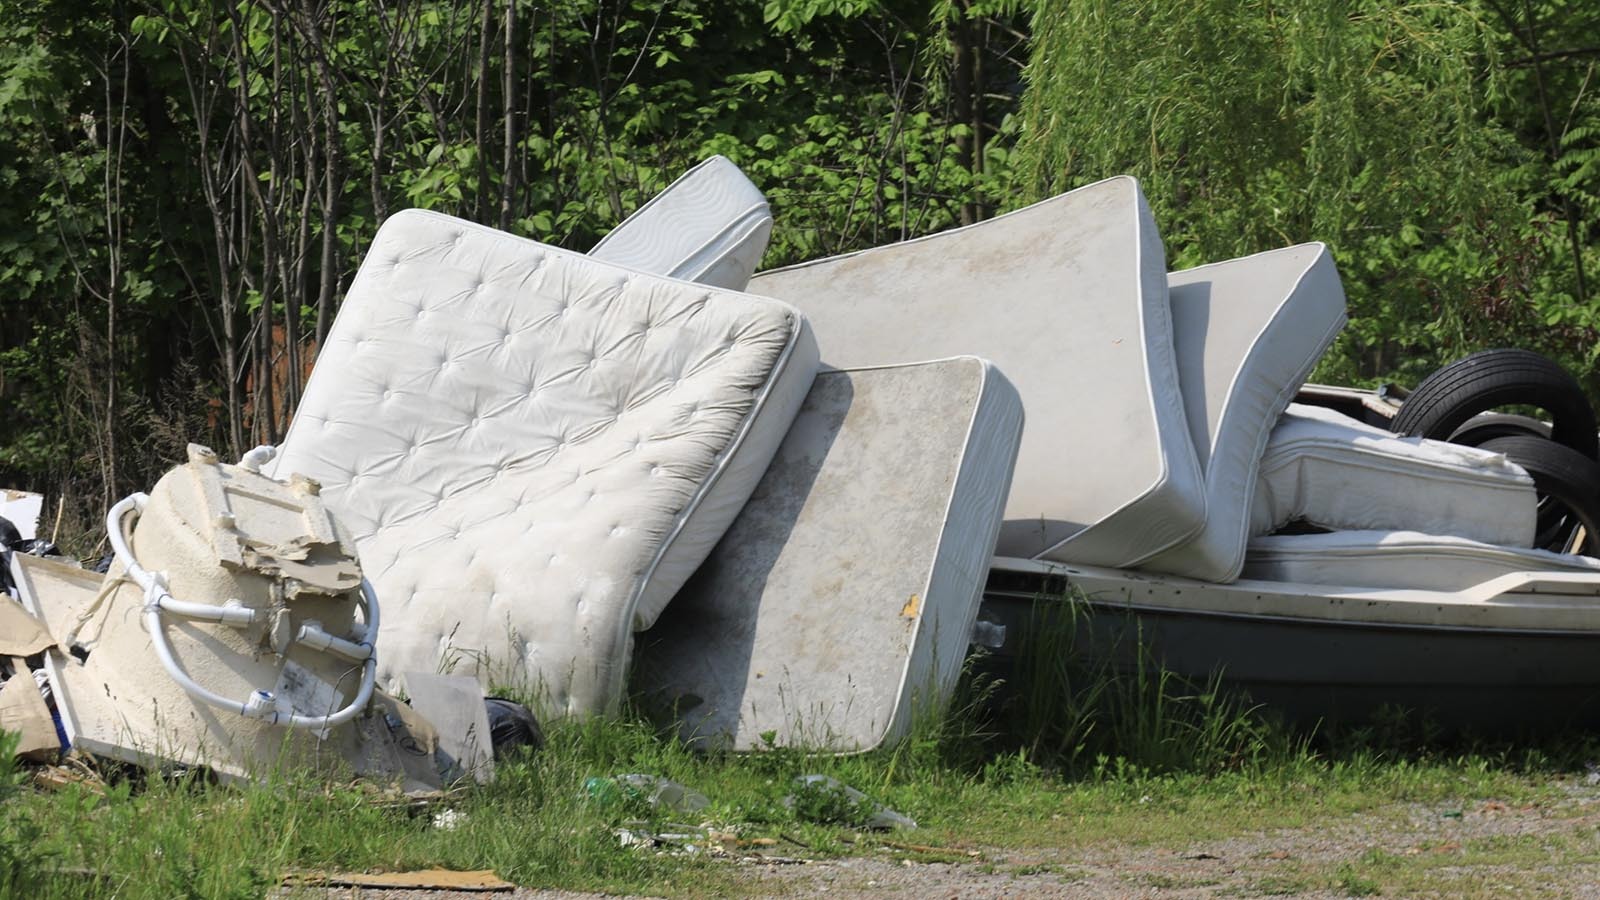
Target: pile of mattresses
[[796, 484], [1166, 468], [535, 450]]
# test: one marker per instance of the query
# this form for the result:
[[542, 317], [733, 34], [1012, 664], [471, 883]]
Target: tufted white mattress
[[841, 601], [533, 448], [1337, 473], [1069, 298], [710, 226], [1398, 560], [1248, 331]]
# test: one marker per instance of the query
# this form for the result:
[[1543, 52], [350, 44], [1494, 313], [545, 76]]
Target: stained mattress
[[1398, 560], [710, 226], [1248, 332], [1069, 298], [841, 601], [1337, 473], [534, 449]]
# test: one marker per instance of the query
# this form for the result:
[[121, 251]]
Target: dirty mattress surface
[[842, 598], [533, 449], [1247, 331], [709, 226], [1069, 298], [1334, 472]]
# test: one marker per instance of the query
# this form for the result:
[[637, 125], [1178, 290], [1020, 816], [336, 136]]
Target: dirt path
[[1490, 849]]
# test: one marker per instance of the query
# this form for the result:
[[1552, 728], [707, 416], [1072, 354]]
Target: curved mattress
[[840, 603], [710, 226], [534, 449], [1334, 472], [1248, 332], [1069, 298], [1398, 560]]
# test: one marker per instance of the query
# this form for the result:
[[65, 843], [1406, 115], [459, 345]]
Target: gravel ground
[[1302, 862]]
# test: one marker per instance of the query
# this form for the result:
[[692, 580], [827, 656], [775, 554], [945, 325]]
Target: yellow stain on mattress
[[912, 607]]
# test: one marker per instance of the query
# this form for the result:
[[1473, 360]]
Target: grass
[[1121, 759]]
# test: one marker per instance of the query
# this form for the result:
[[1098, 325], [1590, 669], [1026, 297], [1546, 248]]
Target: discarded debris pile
[[511, 458]]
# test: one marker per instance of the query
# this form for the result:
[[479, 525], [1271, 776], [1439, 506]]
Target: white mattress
[[1397, 560], [710, 226], [1069, 298], [841, 602], [534, 449], [1248, 331], [1337, 473]]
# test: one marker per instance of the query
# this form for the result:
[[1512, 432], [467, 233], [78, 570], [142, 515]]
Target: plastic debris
[[663, 793], [688, 838], [825, 799], [512, 725], [454, 705]]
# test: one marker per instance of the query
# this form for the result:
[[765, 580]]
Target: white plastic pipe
[[313, 636], [261, 704], [227, 614], [254, 459]]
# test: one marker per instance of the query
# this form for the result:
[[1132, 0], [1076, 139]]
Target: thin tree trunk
[[508, 88]]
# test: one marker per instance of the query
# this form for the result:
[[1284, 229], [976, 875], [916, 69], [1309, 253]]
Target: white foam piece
[[1069, 298], [710, 226], [23, 509], [534, 448], [1248, 332], [1399, 560], [840, 603], [1337, 473]]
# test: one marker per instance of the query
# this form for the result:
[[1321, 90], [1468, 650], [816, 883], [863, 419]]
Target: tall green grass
[[1086, 722], [1084, 692]]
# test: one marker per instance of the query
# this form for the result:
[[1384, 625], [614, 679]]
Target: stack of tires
[[1466, 402]]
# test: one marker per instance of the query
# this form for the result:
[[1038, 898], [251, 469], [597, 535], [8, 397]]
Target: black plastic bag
[[512, 726]]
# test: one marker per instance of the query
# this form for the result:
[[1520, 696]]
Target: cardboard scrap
[[60, 778], [483, 880], [20, 633], [22, 710]]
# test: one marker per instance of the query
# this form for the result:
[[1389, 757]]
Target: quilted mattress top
[[516, 434]]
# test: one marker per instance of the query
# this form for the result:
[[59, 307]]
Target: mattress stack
[[537, 450], [1161, 435], [534, 450]]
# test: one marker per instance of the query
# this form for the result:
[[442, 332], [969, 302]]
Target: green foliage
[[201, 177], [1085, 695], [1388, 130]]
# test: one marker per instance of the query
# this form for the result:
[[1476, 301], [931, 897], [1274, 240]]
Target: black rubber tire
[[1561, 474], [1556, 522], [1445, 400], [1486, 426]]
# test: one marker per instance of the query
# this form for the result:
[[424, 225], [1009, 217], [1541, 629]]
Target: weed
[[1087, 691], [1348, 879]]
